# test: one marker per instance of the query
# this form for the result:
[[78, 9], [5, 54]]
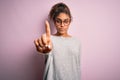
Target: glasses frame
[[66, 22]]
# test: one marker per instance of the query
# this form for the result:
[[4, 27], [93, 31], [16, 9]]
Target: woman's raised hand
[[44, 43]]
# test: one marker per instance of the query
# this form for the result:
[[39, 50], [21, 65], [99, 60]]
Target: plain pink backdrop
[[95, 23]]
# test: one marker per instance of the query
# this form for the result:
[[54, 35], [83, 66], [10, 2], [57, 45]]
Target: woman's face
[[62, 23]]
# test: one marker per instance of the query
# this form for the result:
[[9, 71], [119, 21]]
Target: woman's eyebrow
[[61, 19]]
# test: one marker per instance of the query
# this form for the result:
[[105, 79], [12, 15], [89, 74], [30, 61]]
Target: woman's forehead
[[63, 16]]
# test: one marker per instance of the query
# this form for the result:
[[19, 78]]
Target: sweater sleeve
[[79, 62]]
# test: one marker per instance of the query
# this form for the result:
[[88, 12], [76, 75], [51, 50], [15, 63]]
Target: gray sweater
[[63, 62]]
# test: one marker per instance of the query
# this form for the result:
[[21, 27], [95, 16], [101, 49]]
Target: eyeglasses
[[59, 22]]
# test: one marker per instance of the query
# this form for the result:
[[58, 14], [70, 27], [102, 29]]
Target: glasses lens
[[58, 22], [66, 22]]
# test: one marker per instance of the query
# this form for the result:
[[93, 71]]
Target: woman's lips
[[61, 29]]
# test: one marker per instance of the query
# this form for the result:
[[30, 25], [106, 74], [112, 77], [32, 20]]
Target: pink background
[[95, 23]]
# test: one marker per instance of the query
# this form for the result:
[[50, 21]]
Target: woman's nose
[[62, 24]]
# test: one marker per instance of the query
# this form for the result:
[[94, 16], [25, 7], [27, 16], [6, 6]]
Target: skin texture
[[62, 30], [44, 43]]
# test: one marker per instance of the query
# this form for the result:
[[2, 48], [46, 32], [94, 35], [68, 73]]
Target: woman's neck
[[63, 35]]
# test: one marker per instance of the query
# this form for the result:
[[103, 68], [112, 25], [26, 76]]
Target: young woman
[[61, 50]]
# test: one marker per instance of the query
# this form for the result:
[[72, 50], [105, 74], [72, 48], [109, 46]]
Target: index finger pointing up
[[48, 32]]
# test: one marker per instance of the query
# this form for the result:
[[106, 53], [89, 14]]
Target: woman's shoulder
[[76, 40]]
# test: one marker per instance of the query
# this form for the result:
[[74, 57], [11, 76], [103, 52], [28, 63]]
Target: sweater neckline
[[62, 37]]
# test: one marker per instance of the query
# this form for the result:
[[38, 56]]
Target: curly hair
[[57, 9]]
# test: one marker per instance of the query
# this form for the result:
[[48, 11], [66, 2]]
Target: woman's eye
[[66, 21], [58, 21]]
